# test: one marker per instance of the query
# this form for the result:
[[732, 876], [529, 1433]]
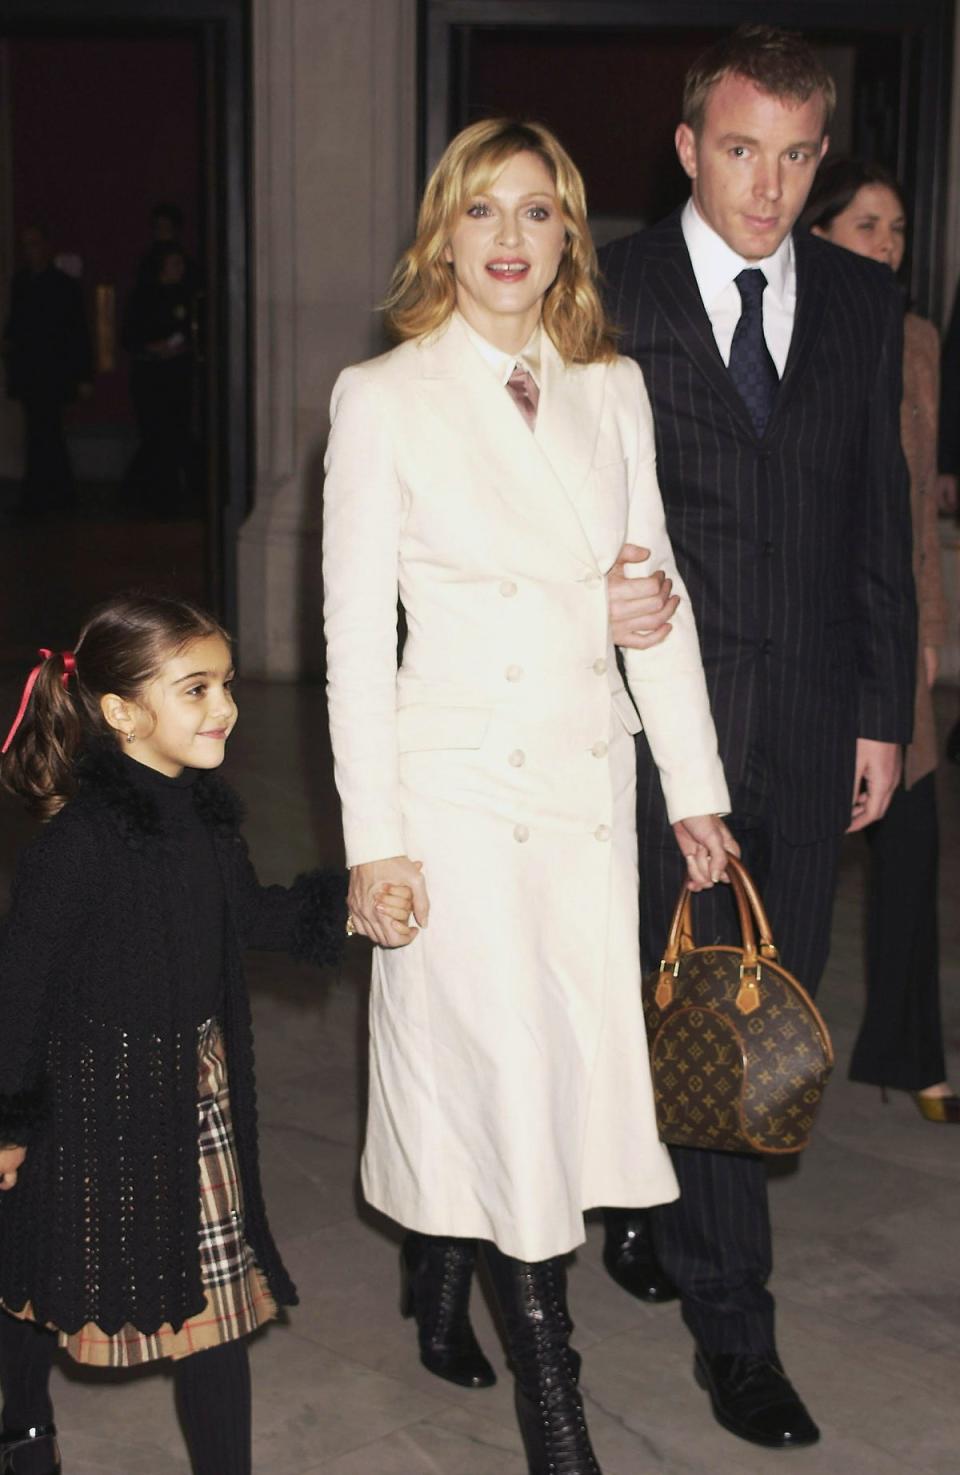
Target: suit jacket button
[[599, 750], [766, 646], [513, 673], [508, 588], [600, 666], [517, 758], [602, 832], [521, 834]]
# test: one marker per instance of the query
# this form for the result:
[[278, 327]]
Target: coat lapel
[[540, 471]]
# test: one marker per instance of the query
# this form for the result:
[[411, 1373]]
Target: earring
[[131, 737]]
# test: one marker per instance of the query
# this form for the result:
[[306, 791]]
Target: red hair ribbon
[[69, 666]]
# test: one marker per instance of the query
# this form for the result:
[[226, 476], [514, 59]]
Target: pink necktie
[[526, 395]]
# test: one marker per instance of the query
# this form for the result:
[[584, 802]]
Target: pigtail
[[41, 749]]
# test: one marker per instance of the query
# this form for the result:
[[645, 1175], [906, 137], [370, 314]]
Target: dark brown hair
[[781, 63], [837, 184], [121, 649]]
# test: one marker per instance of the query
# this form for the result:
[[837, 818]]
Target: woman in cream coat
[[509, 1087]]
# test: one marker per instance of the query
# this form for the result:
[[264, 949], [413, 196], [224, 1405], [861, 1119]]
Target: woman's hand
[[11, 1160], [705, 842], [381, 896]]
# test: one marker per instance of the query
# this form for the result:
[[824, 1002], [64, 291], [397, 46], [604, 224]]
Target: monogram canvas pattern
[[727, 1080]]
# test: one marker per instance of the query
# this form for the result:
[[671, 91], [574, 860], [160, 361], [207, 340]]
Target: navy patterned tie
[[751, 367]]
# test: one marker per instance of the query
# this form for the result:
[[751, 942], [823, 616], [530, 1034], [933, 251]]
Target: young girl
[[132, 1223]]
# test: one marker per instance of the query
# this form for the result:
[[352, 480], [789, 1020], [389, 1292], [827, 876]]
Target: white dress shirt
[[503, 364], [716, 267]]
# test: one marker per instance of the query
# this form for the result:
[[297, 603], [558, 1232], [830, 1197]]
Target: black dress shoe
[[753, 1398], [629, 1257], [23, 1450]]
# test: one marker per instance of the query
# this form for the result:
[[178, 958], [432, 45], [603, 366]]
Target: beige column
[[334, 199]]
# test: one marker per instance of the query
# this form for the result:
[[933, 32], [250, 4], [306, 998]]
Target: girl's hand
[[11, 1160], [379, 890], [704, 842]]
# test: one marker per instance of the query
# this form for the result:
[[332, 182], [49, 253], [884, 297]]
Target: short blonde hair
[[422, 292]]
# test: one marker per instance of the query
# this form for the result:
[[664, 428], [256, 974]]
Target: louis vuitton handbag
[[739, 1054]]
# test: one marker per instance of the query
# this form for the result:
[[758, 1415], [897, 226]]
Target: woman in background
[[861, 207]]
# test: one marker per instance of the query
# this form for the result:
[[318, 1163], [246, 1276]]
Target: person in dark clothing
[[158, 335], [132, 1222], [48, 362], [950, 448], [772, 361]]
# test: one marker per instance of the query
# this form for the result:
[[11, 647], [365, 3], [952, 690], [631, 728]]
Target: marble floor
[[866, 1233]]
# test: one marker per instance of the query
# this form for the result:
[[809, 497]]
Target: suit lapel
[[813, 291], [678, 298], [538, 471]]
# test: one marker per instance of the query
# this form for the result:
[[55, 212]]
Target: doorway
[[122, 143]]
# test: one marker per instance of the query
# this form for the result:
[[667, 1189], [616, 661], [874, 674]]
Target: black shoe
[[753, 1398], [629, 1256], [437, 1274], [30, 1451], [533, 1305]]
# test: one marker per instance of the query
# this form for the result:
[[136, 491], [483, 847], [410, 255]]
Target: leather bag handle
[[753, 921]]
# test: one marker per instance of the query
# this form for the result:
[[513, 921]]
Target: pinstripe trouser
[[715, 1242]]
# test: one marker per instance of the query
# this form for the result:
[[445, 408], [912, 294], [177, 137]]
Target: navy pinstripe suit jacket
[[795, 547]]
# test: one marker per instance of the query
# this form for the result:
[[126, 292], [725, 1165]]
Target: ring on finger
[[351, 927]]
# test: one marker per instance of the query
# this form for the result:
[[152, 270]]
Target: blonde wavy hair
[[422, 292]]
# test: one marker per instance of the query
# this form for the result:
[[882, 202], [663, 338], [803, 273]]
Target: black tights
[[212, 1391]]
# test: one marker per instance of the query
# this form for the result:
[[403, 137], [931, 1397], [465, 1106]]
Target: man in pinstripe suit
[[776, 405]]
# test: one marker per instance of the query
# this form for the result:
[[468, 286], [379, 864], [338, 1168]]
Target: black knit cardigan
[[98, 1053]]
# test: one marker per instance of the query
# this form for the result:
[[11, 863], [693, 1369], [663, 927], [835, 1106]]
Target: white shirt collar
[[501, 363], [716, 265]]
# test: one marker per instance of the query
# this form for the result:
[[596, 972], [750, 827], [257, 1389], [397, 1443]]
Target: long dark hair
[[122, 647], [837, 183]]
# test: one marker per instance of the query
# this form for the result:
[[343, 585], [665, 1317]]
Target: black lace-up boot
[[533, 1304], [438, 1272]]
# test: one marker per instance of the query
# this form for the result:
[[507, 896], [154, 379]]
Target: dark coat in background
[[98, 1061], [46, 342]]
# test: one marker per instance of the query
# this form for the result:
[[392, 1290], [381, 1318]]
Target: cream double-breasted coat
[[509, 1086]]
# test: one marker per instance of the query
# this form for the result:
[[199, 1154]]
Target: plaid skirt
[[237, 1298]]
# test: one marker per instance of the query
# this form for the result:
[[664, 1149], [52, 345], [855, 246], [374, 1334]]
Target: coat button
[[600, 666], [521, 834], [599, 750], [508, 588], [602, 832], [513, 673], [593, 581], [517, 758]]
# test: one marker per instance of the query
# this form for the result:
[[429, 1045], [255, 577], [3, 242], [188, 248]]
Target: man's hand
[[11, 1160], [877, 774], [705, 842], [947, 498], [372, 895], [640, 608]]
